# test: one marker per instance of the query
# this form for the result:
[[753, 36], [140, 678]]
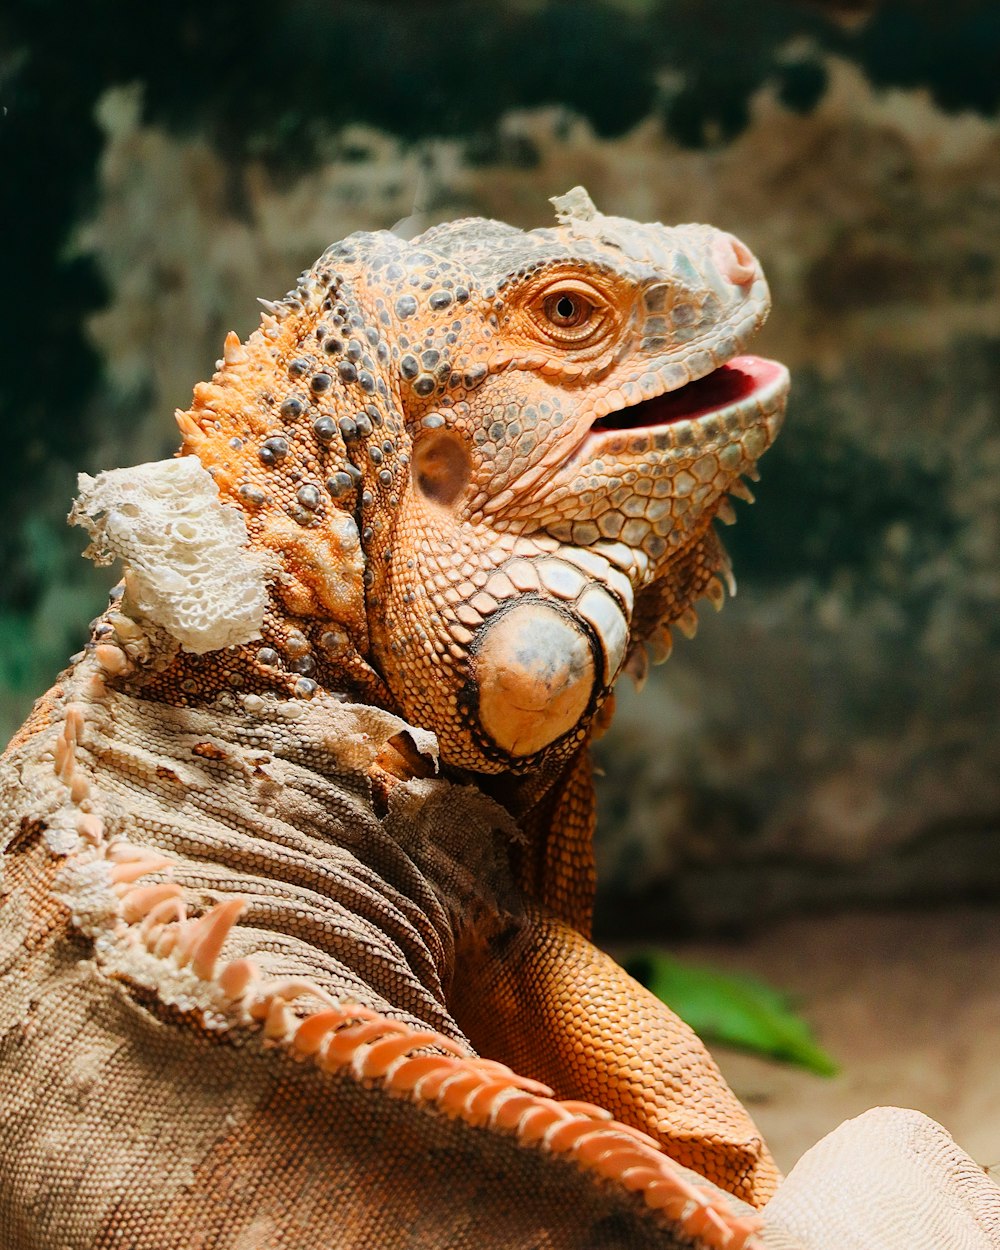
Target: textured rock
[[905, 1001]]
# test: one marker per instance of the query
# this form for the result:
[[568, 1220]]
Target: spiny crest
[[298, 430]]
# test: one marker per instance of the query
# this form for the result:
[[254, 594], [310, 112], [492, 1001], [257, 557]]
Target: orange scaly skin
[[476, 487]]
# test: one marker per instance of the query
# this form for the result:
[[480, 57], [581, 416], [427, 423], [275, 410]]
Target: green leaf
[[733, 1010]]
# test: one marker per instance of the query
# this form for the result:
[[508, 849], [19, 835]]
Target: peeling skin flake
[[186, 553]]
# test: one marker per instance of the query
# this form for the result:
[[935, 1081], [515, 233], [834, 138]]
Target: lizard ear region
[[441, 466], [534, 668]]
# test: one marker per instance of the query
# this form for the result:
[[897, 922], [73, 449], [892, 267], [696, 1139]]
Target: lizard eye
[[570, 313], [567, 310]]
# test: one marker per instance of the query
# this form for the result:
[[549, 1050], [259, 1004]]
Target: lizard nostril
[[735, 260]]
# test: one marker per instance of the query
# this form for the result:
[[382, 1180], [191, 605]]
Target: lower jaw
[[745, 391]]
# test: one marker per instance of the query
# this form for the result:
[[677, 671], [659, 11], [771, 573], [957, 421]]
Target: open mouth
[[729, 387]]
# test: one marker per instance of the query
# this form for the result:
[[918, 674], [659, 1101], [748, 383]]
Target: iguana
[[294, 946]]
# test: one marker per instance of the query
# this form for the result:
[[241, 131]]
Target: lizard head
[[568, 457], [488, 461]]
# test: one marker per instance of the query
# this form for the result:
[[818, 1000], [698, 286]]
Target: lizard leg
[[542, 998]]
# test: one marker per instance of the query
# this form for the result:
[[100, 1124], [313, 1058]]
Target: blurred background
[[810, 789]]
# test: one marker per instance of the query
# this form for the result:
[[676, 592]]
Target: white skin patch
[[186, 553], [535, 672]]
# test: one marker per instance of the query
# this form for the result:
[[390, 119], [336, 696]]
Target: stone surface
[[907, 1005]]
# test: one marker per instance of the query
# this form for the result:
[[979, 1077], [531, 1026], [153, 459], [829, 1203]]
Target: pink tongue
[[727, 385]]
